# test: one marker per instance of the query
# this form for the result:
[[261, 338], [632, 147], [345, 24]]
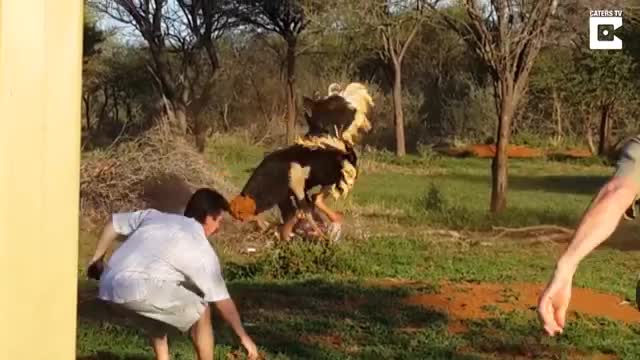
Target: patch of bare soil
[[474, 301], [574, 153], [513, 151]]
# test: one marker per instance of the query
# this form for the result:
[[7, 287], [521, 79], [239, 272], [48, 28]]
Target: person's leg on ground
[[169, 306], [202, 336], [160, 346]]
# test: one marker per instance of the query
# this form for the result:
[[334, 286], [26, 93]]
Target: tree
[[551, 89], [93, 38], [394, 25], [453, 81], [396, 35], [287, 19], [602, 80], [507, 35], [599, 80], [181, 40]]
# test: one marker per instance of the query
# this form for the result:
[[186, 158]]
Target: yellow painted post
[[40, 84]]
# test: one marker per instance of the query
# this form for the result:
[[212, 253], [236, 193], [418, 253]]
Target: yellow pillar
[[40, 84]]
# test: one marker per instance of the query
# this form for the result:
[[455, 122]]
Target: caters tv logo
[[603, 25]]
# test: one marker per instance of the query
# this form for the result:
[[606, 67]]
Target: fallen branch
[[444, 233], [531, 229], [534, 228]]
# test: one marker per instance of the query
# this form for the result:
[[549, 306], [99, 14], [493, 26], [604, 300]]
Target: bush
[[434, 200], [159, 169], [472, 117]]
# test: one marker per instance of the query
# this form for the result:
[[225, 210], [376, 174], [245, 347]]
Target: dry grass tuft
[[159, 170]]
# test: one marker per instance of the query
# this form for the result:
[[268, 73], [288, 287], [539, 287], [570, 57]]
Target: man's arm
[[600, 220], [96, 265], [597, 224], [107, 237], [229, 312], [205, 273], [118, 224]]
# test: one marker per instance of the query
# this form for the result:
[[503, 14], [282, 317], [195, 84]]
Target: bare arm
[[119, 224], [107, 237], [599, 222], [229, 312]]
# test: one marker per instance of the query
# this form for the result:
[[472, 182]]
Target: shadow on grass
[[626, 237], [317, 319], [562, 184], [105, 355], [467, 216]]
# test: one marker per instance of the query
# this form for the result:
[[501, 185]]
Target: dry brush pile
[[158, 169]]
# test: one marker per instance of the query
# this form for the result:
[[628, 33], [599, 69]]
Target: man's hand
[[554, 301], [250, 346], [95, 269]]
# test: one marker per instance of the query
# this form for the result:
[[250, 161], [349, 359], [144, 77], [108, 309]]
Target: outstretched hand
[[554, 302]]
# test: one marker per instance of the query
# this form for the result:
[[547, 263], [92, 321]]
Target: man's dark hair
[[205, 202]]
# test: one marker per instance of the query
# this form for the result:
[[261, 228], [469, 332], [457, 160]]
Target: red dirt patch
[[471, 301], [513, 151], [574, 153]]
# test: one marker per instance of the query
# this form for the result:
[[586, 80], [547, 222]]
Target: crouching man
[[166, 273]]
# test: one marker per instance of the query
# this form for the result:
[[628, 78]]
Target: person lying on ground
[[165, 274], [616, 199]]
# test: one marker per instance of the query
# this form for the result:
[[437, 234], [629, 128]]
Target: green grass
[[540, 192], [311, 301], [237, 156]]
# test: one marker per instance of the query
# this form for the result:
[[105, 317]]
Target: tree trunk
[[589, 135], [129, 110], [180, 118], [291, 94], [398, 116], [200, 134], [103, 112], [605, 131], [558, 115], [225, 117], [176, 116], [116, 105], [86, 101], [499, 168]]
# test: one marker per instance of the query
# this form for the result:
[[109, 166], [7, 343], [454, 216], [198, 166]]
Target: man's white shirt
[[160, 248]]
